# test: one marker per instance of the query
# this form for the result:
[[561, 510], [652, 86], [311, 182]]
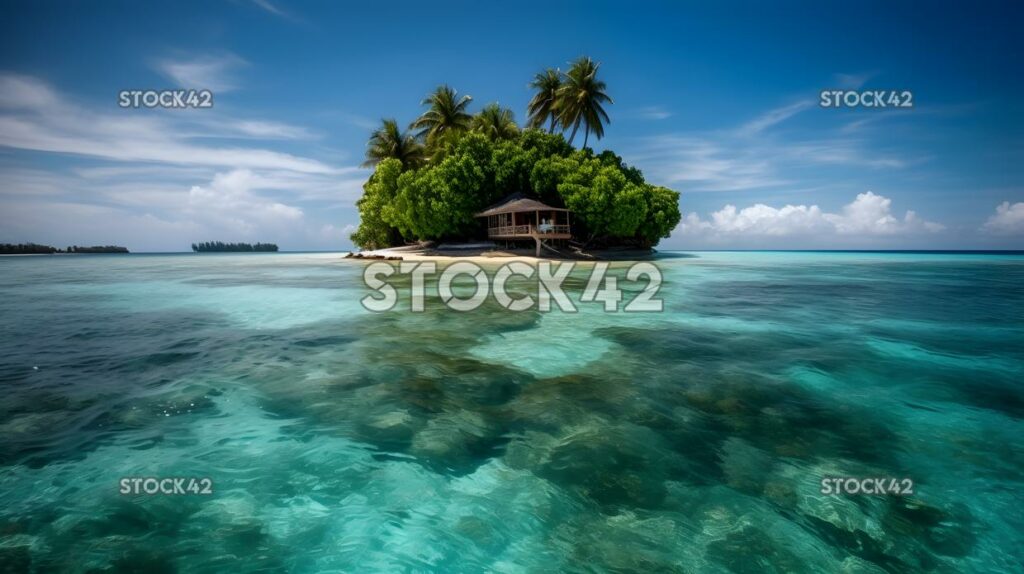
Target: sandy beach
[[486, 253]]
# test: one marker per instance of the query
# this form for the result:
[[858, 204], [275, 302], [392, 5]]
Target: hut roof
[[518, 202]]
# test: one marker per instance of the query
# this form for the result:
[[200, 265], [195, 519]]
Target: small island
[[36, 249], [457, 177], [221, 247]]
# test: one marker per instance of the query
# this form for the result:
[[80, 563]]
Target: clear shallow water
[[337, 440]]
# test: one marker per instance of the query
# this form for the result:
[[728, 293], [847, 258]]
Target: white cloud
[[154, 210], [869, 215], [270, 130], [229, 202], [705, 164], [1008, 219], [214, 73], [34, 117], [773, 117], [653, 113], [752, 155], [334, 235], [158, 181], [68, 223], [852, 81], [266, 5]]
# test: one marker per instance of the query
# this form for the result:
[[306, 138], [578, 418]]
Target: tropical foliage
[[446, 116], [541, 108], [26, 248], [429, 185], [390, 142], [496, 122], [35, 248], [611, 202], [579, 100], [221, 247]]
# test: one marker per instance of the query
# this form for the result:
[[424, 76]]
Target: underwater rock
[[148, 561], [453, 439], [947, 532], [295, 518], [629, 542], [396, 425], [15, 556], [745, 467], [610, 463], [854, 565], [750, 550], [842, 512], [192, 399], [529, 451], [781, 493], [230, 521], [550, 404], [29, 425]]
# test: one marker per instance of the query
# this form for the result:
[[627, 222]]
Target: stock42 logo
[[465, 286]]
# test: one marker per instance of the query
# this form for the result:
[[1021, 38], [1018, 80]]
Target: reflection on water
[[692, 440]]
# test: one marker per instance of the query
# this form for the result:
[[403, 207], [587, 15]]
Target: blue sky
[[716, 100]]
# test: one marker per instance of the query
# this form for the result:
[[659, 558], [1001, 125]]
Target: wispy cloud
[[773, 117], [274, 8], [703, 162], [852, 81], [254, 129], [266, 5], [49, 123], [160, 172], [216, 73], [756, 155], [652, 113]]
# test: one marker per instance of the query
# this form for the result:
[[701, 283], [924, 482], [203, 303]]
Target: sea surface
[[340, 440]]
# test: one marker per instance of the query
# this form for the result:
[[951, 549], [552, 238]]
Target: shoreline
[[490, 254]]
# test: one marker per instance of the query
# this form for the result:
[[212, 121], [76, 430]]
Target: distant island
[[446, 178], [35, 249], [221, 247]]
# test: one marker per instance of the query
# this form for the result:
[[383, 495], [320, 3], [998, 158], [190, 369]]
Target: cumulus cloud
[[868, 215], [335, 235], [1008, 219], [229, 202], [159, 181]]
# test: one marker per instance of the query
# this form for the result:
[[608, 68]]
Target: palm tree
[[389, 141], [496, 122], [542, 107], [446, 114], [580, 98]]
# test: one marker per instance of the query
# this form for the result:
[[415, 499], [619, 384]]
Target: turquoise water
[[692, 440]]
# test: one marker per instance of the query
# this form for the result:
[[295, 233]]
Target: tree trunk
[[586, 136], [575, 127], [551, 128]]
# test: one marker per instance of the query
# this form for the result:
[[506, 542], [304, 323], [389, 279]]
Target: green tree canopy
[[446, 115], [496, 122], [579, 100], [611, 201], [388, 141], [429, 186], [541, 108]]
